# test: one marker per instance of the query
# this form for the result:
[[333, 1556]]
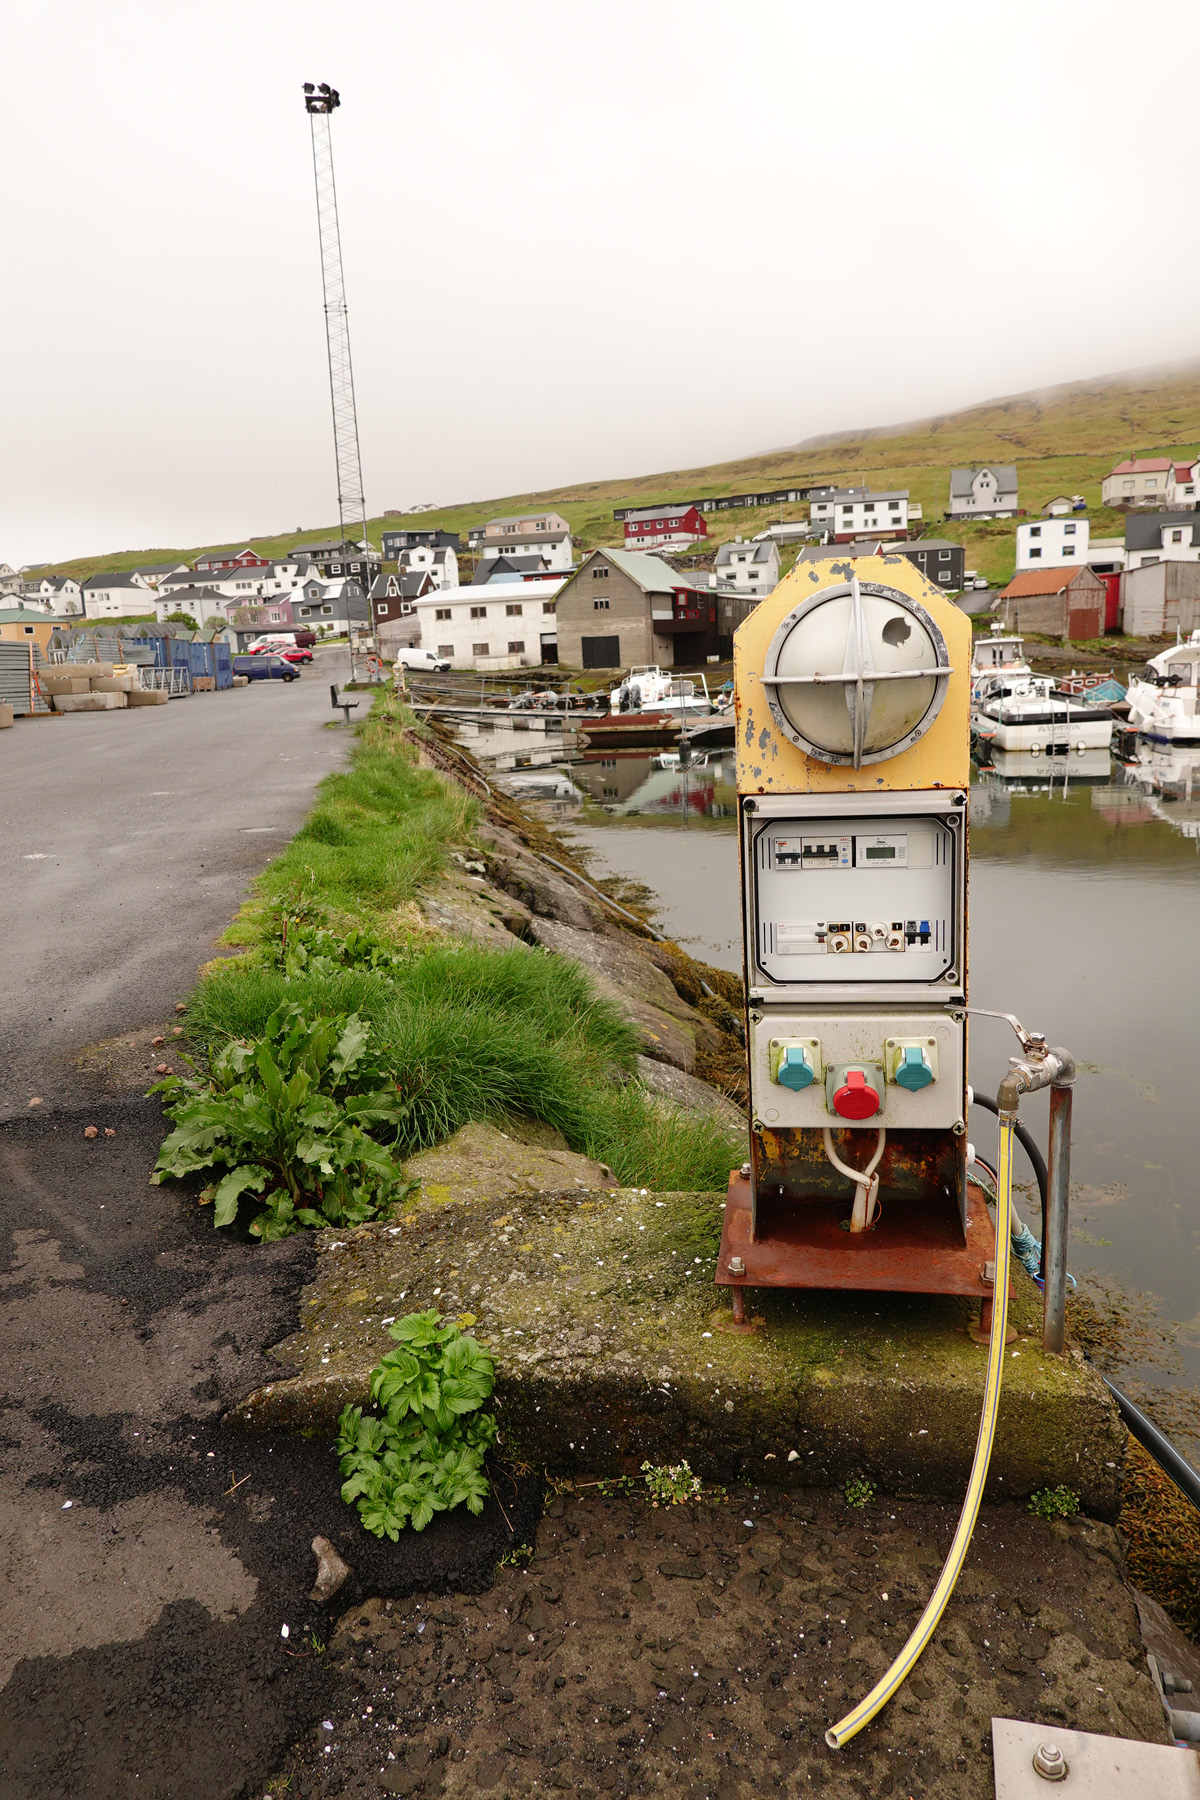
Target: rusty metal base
[[917, 1246]]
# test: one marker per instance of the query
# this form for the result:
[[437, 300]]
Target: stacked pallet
[[96, 687]]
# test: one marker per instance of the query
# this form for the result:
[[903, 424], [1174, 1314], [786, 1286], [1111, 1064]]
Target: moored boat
[[1044, 723], [1162, 699]]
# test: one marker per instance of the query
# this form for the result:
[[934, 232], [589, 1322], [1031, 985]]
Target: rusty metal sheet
[[917, 1246]]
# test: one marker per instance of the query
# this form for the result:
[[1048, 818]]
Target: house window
[[335, 568], [1177, 537], [446, 650], [275, 617], [479, 612], [327, 609], [405, 606], [599, 572], [513, 611], [382, 608], [442, 612], [1068, 549], [515, 648], [600, 605], [943, 574], [1035, 531], [479, 650], [608, 762], [29, 631], [1068, 530], [1034, 554], [1127, 487]]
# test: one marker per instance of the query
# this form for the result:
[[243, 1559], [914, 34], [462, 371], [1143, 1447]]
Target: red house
[[225, 559], [647, 527]]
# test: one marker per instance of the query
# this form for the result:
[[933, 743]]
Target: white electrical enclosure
[[859, 1037], [864, 896]]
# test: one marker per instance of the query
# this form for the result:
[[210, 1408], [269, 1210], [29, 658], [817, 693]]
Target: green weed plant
[[1054, 1503], [423, 1453], [289, 1117]]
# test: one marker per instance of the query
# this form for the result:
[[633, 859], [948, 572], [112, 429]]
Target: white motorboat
[[1162, 699], [654, 690], [997, 657], [1046, 724]]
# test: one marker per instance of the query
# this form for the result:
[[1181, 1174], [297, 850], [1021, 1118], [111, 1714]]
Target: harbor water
[[1085, 922]]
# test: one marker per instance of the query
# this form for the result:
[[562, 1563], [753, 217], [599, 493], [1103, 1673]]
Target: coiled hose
[[906, 1662]]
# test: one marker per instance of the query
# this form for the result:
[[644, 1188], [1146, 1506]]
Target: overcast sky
[[581, 241]]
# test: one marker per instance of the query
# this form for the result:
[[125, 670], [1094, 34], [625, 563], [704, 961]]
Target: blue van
[[265, 668]]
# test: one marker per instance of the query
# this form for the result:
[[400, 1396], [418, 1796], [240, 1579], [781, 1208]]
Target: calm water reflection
[[1085, 921]]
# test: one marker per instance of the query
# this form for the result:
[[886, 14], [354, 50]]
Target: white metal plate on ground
[[1098, 1768], [851, 1037]]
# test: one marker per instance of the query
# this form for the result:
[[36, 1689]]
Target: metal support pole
[[1054, 1250]]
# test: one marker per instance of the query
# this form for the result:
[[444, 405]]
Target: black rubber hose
[[1029, 1144], [1159, 1447]]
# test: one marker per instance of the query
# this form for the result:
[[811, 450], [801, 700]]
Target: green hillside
[[1063, 440]]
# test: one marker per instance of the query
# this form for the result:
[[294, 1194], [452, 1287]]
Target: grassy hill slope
[[1063, 440]]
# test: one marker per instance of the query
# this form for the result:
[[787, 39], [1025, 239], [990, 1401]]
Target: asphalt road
[[155, 1562], [127, 843]]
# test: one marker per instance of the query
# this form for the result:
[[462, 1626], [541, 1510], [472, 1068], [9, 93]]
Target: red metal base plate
[[916, 1247]]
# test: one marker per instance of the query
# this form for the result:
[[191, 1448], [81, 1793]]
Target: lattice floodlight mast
[[320, 101]]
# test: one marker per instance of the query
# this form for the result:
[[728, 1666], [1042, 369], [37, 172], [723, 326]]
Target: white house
[[10, 580], [556, 548], [440, 564], [58, 594], [498, 626], [848, 513], [118, 595], [988, 492], [1138, 482], [750, 568], [1054, 542], [1183, 485], [203, 604], [1161, 537]]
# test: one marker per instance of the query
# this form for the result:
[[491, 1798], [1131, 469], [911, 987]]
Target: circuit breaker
[[852, 689]]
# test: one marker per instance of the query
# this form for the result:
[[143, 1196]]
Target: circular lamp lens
[[856, 649]]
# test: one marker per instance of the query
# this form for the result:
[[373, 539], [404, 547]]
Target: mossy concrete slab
[[600, 1310], [481, 1162]]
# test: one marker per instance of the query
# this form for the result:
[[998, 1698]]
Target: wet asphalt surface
[[127, 841], [149, 1555]]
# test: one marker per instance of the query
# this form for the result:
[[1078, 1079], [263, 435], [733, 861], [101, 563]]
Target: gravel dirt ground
[[702, 1650]]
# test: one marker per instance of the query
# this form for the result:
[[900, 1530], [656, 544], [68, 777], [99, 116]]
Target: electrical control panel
[[912, 1066], [840, 901]]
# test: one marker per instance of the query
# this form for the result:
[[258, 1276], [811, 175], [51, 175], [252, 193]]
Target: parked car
[[264, 667], [424, 661], [297, 653]]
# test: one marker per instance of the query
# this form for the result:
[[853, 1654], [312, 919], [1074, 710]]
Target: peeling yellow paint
[[768, 763]]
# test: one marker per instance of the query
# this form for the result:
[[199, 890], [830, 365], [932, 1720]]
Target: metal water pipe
[[1053, 1069]]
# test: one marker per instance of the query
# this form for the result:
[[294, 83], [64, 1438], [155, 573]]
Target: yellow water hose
[[906, 1662]]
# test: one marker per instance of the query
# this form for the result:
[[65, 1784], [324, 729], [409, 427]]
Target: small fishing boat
[[1162, 699], [651, 689]]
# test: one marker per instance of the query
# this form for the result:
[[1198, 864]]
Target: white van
[[422, 661]]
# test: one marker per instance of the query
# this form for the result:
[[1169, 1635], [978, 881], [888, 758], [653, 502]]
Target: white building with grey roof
[[986, 492], [749, 568]]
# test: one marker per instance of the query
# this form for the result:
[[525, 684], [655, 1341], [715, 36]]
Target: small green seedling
[[859, 1492], [1054, 1503], [671, 1486]]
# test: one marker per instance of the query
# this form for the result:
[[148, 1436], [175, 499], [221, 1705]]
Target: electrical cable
[[890, 1683], [866, 1197]]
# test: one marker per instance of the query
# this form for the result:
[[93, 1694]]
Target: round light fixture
[[856, 673]]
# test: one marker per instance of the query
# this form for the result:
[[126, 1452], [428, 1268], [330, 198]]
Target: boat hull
[[631, 730]]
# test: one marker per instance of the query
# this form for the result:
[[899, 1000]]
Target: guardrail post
[[1054, 1250]]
